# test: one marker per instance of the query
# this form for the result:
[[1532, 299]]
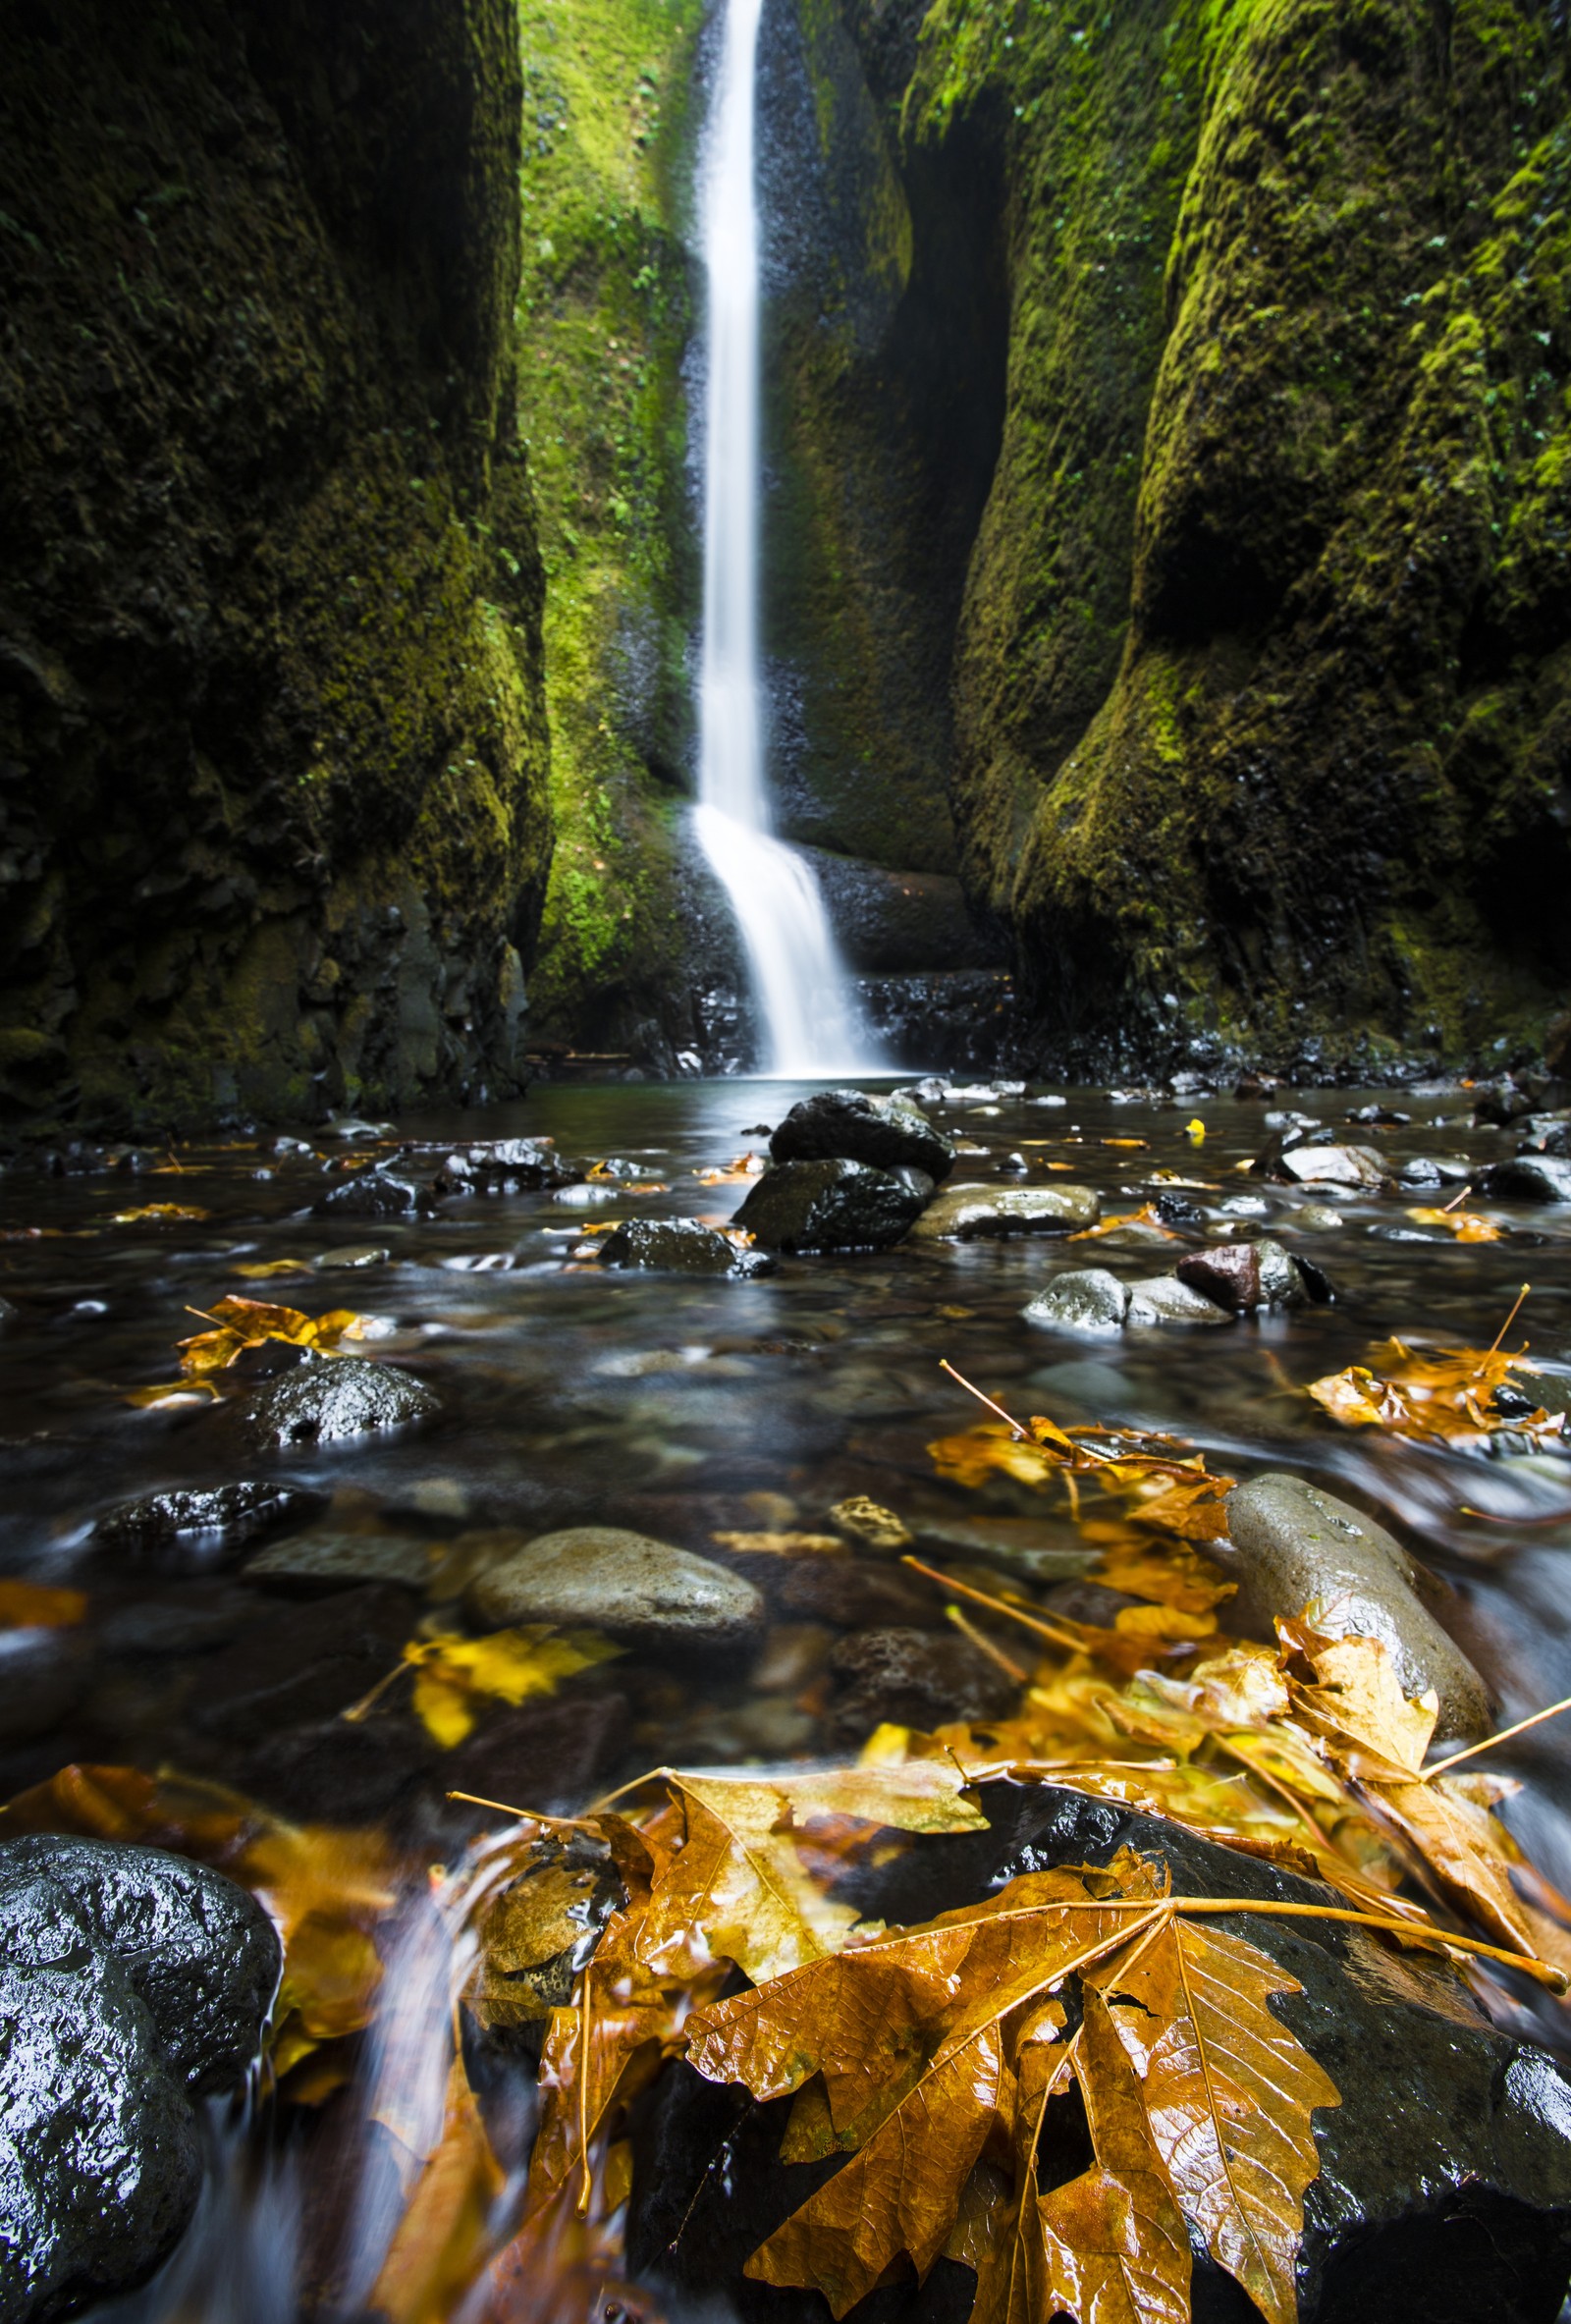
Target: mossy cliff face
[[605, 322], [1262, 682], [273, 817]]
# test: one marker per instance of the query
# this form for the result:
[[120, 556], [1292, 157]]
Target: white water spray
[[810, 1020]]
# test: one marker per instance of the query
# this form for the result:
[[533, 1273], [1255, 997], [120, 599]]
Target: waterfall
[[810, 1019]]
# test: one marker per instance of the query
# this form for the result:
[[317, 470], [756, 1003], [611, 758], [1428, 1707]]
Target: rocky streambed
[[649, 1378]]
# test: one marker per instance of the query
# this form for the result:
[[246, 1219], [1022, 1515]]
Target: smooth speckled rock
[[128, 1980], [1334, 1166], [680, 1246], [1163, 1299], [1086, 1299], [640, 1592], [833, 1205], [846, 1125], [1445, 2186], [315, 1563], [333, 1396], [1295, 1548], [964, 1213]]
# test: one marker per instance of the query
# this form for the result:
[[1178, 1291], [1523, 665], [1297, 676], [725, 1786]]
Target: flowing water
[[681, 1407], [809, 1020]]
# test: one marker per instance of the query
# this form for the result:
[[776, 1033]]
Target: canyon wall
[[274, 830]]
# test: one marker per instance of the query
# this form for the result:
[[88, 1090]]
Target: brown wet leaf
[[1228, 2092], [1442, 1394], [159, 1211], [243, 1324], [442, 2240]]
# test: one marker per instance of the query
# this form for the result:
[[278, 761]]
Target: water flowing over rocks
[[680, 1246], [846, 1125], [640, 1592], [201, 1528], [833, 1205], [1294, 1547], [327, 1397], [1444, 2188], [965, 1213], [130, 1982]]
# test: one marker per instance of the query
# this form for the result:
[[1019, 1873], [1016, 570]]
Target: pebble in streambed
[[328, 1397], [639, 1592]]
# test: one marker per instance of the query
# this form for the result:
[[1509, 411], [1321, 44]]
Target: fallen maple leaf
[[34, 1605], [247, 1323], [1228, 2091], [442, 2240]]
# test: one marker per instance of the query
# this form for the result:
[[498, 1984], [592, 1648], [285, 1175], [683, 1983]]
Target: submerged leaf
[[511, 1665], [33, 1605]]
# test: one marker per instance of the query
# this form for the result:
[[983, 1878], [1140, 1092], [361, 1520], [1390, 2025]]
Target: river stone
[[846, 1125], [1444, 2187], [832, 1205], [374, 1195], [640, 1592], [203, 1527], [914, 1678], [505, 1165], [965, 1213], [1294, 1548], [333, 1396], [129, 1978], [1163, 1299], [1528, 1178], [313, 1563], [1334, 1166], [1243, 1276], [1086, 1299], [680, 1246]]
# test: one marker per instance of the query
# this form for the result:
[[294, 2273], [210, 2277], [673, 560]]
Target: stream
[[680, 1408]]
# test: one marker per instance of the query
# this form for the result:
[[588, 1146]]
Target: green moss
[[603, 320]]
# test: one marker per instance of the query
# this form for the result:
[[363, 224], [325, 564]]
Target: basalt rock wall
[[273, 820], [1261, 681]]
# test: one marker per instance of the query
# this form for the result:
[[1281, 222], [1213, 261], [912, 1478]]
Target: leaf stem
[[1511, 1318], [999, 1606], [985, 1645], [1442, 1766], [1023, 1436]]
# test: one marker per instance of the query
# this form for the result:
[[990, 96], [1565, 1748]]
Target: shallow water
[[683, 1408], [578, 1394]]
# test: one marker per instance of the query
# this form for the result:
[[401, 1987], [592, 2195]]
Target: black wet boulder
[[129, 1982], [848, 1125], [834, 1205], [1444, 2187]]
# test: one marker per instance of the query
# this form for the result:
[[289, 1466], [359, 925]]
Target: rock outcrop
[[273, 825]]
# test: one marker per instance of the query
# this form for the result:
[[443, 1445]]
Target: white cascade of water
[[810, 1021]]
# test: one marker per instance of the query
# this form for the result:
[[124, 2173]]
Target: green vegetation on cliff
[[604, 319], [1261, 678]]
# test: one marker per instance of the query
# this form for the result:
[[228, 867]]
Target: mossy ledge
[[274, 830], [1261, 683]]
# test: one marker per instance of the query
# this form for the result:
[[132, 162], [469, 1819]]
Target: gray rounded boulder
[[128, 1982], [1295, 1548], [971, 1214], [639, 1592]]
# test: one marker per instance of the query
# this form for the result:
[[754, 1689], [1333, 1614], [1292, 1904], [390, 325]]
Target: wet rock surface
[[205, 1526], [638, 1590], [889, 1133], [1084, 1299], [680, 1246], [1528, 1178], [1246, 1275], [967, 1214], [914, 1678], [832, 1205], [1295, 1546], [1445, 2190], [328, 1397], [1166, 1299], [1332, 1165], [505, 1165], [314, 1564], [376, 1195], [130, 1981]]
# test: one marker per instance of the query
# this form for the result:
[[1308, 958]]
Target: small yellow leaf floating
[[32, 1605], [247, 1323], [262, 1267], [1194, 1131], [453, 1673], [1466, 1226], [159, 1211]]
